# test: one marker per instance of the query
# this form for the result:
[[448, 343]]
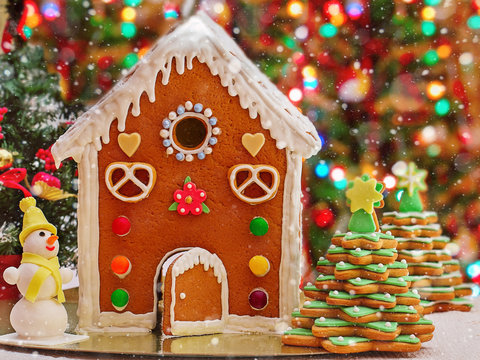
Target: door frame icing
[[187, 261]]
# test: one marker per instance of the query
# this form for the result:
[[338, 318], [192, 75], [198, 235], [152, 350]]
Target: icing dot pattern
[[187, 112]]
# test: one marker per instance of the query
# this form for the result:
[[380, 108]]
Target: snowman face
[[42, 242]]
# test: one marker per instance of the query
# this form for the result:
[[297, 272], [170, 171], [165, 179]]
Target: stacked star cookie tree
[[432, 270], [360, 300]]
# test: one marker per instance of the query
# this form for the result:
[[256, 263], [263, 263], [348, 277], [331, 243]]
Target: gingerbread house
[[189, 192]]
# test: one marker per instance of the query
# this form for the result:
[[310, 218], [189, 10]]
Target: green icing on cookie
[[437, 289], [361, 222], [323, 277], [400, 281], [359, 311], [347, 340], [317, 304], [409, 203], [371, 267], [445, 239], [413, 278], [324, 262], [384, 326], [384, 252], [312, 288], [410, 339], [331, 322], [299, 331], [296, 314], [422, 321], [428, 264], [398, 265], [411, 214], [360, 282], [404, 309], [409, 294], [381, 297]]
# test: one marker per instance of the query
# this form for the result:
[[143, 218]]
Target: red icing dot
[[121, 226], [258, 299]]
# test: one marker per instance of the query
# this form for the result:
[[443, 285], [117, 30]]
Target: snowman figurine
[[39, 314]]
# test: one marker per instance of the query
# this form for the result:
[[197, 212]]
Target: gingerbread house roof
[[201, 38]]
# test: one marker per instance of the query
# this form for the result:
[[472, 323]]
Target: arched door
[[195, 294]]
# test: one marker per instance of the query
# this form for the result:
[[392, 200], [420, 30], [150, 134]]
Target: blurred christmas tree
[[33, 116], [383, 81]]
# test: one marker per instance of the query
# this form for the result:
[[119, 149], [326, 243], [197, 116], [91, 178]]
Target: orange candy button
[[121, 266]]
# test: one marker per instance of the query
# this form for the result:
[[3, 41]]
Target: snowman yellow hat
[[33, 219]]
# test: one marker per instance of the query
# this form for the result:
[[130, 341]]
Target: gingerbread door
[[195, 294]]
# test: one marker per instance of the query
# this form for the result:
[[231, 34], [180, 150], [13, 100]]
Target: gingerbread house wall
[[225, 231]]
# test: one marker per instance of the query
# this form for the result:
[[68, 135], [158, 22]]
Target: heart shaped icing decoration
[[129, 143], [253, 142]]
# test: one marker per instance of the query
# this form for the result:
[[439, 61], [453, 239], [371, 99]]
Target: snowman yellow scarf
[[46, 268]]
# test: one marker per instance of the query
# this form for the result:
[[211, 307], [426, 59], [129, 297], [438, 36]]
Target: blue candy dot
[[212, 141], [201, 156], [180, 110], [167, 143], [198, 107], [213, 121], [180, 156], [166, 123]]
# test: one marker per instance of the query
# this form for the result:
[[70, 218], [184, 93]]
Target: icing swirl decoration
[[189, 130]]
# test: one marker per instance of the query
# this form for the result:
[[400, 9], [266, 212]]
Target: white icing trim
[[195, 115], [289, 271], [88, 240], [198, 37], [185, 262], [254, 178], [126, 319]]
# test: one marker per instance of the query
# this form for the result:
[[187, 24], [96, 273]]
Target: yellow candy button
[[259, 265]]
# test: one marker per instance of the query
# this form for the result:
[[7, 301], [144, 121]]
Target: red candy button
[[121, 266], [121, 226], [258, 299]]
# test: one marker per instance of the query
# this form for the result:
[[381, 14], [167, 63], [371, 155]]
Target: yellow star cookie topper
[[365, 193], [410, 177]]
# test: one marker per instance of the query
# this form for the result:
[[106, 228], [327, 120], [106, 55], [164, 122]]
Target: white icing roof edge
[[198, 37]]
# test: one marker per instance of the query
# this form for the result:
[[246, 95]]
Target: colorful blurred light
[[474, 22], [132, 3], [341, 184], [332, 8], [430, 58], [432, 2], [295, 8], [428, 13], [473, 269], [309, 71], [428, 28], [324, 218], [444, 51], [442, 107], [337, 173], [434, 150], [338, 20], [435, 90], [310, 83], [50, 11], [295, 95], [390, 181], [428, 134], [328, 30], [398, 195], [128, 14], [354, 10], [322, 169], [128, 29], [130, 60], [172, 11]]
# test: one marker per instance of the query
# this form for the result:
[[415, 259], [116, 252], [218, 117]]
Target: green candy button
[[258, 226], [119, 299]]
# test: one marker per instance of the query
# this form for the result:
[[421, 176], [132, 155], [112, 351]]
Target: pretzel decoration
[[254, 172], [129, 174]]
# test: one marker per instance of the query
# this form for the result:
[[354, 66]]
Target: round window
[[189, 133], [190, 130]]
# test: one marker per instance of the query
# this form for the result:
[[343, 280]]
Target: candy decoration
[[11, 179], [6, 159], [47, 186], [119, 299], [189, 200], [258, 299], [121, 266], [259, 265], [121, 226], [258, 226], [3, 111], [129, 143], [253, 142]]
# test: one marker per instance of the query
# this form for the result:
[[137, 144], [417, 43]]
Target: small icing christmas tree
[[433, 272], [361, 300]]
